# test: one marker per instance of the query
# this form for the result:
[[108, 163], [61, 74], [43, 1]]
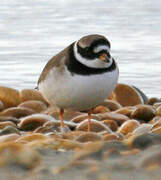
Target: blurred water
[[31, 32]]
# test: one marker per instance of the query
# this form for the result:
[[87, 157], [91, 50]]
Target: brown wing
[[57, 61]]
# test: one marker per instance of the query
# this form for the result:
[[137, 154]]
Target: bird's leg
[[61, 112], [89, 119]]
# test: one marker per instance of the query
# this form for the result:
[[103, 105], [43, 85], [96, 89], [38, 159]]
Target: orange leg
[[89, 119], [61, 112]]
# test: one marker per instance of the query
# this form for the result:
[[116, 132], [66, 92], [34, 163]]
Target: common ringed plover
[[81, 76]]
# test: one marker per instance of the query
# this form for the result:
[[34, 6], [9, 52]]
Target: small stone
[[120, 146], [111, 124], [100, 109], [88, 136], [14, 154], [82, 117], [119, 118], [156, 124], [156, 105], [7, 123], [127, 95], [156, 119], [46, 129], [156, 130], [110, 137], [151, 159], [17, 112], [143, 112], [31, 94], [90, 150], [142, 94], [96, 126], [9, 130], [1, 105], [120, 136], [125, 111], [31, 137], [37, 106], [153, 100], [72, 135], [158, 111], [111, 104], [9, 137], [145, 140], [9, 96], [34, 121], [143, 128], [56, 123], [9, 118], [128, 126]]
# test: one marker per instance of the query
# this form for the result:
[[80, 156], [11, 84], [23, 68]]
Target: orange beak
[[103, 57]]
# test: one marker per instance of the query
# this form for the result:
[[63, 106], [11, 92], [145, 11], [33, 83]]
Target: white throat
[[95, 63]]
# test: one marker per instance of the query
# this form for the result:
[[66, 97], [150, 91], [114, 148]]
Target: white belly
[[77, 92]]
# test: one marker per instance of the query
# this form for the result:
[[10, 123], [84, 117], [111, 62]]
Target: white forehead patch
[[100, 48]]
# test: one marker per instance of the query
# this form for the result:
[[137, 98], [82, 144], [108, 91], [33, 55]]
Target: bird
[[80, 77]]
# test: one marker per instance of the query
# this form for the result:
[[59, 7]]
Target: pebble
[[90, 150], [72, 135], [24, 156], [155, 119], [31, 94], [1, 105], [17, 112], [111, 124], [153, 100], [100, 109], [142, 94], [142, 129], [156, 105], [125, 111], [96, 126], [9, 96], [127, 95], [145, 140], [128, 126], [9, 118], [7, 123], [156, 130], [143, 112], [111, 104], [56, 123], [110, 137], [35, 105], [156, 124], [119, 118], [31, 137], [151, 160], [46, 129], [33, 121], [88, 136], [9, 137], [82, 117], [158, 111], [9, 130]]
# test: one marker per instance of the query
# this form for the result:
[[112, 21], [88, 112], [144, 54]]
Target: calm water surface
[[31, 32]]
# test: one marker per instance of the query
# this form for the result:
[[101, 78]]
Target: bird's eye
[[103, 56], [86, 48]]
